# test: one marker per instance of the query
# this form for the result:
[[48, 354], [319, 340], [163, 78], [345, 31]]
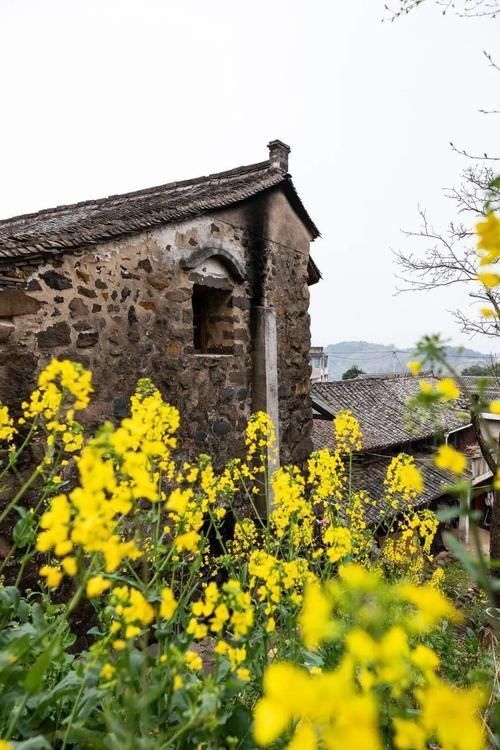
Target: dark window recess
[[212, 321]]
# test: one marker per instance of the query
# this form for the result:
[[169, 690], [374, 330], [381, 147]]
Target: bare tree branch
[[449, 257], [463, 8]]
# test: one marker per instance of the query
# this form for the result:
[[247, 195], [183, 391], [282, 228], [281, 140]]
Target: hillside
[[381, 358]]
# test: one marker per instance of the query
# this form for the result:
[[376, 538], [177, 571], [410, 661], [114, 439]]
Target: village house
[[201, 285], [380, 403], [319, 364]]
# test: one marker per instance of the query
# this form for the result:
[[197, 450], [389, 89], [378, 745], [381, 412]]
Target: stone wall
[[124, 309]]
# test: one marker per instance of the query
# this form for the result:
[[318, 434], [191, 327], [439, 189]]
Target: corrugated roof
[[52, 231], [381, 406]]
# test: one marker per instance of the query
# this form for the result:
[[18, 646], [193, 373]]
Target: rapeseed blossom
[[338, 542], [359, 634], [448, 458], [7, 430], [488, 232], [414, 367], [403, 479], [340, 706], [348, 436]]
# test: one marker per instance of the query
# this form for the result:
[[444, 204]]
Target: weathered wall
[[279, 254], [124, 309], [287, 291]]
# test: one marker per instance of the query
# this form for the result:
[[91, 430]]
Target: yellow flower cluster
[[488, 232], [63, 388], [403, 480], [408, 549], [292, 513], [228, 608], [275, 581], [7, 430], [326, 477], [236, 655], [445, 390], [338, 542], [348, 437], [260, 433], [449, 459], [145, 440], [131, 613], [342, 707], [244, 538], [356, 514], [115, 469], [197, 493]]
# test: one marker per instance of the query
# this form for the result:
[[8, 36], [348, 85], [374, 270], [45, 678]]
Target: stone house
[[201, 285]]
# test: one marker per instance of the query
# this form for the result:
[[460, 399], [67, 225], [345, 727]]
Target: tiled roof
[[52, 231], [488, 387], [369, 473], [380, 405]]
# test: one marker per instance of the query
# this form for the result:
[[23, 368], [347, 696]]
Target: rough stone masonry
[[201, 285]]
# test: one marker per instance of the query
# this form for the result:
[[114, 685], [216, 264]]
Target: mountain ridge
[[378, 359]]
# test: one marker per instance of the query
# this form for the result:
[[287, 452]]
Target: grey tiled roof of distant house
[[369, 473], [381, 406]]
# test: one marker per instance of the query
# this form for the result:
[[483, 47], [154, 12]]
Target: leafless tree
[[449, 257], [464, 8]]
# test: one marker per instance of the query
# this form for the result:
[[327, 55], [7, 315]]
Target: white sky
[[107, 96]]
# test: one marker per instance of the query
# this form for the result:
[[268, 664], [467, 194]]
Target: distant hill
[[381, 359]]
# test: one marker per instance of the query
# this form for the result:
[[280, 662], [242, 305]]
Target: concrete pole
[[265, 386], [463, 523]]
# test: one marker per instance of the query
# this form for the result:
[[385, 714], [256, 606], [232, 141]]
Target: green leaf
[[459, 550], [24, 531], [35, 676], [446, 514], [9, 598], [34, 743]]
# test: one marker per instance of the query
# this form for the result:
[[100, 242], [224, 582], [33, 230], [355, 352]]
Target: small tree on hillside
[[352, 372]]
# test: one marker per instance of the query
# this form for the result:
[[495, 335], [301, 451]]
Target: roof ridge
[[380, 377], [244, 169]]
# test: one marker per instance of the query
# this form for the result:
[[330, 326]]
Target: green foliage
[[352, 372]]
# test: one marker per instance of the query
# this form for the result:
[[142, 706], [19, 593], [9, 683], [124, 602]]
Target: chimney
[[278, 155]]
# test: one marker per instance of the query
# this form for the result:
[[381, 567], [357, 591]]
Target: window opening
[[212, 320]]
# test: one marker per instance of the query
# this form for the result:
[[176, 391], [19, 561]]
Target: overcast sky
[[107, 96]]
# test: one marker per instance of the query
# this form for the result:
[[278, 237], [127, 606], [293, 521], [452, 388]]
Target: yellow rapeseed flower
[[409, 735], [53, 576], [69, 565], [452, 716], [96, 586], [339, 542], [448, 389], [488, 233], [193, 660], [168, 604], [315, 619], [489, 280], [414, 367], [348, 436], [7, 430], [449, 459], [107, 671]]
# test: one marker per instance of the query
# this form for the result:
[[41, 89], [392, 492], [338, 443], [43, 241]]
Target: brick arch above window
[[226, 257]]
